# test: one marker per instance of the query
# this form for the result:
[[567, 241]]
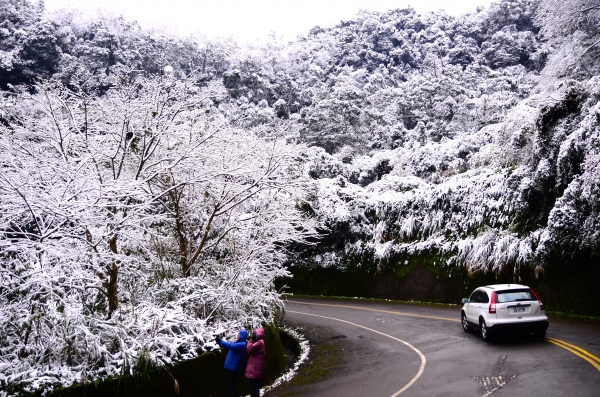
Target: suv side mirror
[[465, 300]]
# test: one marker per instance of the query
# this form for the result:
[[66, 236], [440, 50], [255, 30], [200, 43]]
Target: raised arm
[[235, 346]]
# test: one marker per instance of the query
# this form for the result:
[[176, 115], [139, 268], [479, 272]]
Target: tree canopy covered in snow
[[134, 225], [152, 186]]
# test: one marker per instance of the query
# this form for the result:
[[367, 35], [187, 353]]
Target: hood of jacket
[[243, 335], [260, 333]]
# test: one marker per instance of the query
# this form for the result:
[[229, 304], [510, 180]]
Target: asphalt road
[[391, 349]]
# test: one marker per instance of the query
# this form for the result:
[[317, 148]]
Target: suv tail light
[[493, 303], [538, 299]]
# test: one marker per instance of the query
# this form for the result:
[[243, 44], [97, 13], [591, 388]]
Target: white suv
[[504, 307]]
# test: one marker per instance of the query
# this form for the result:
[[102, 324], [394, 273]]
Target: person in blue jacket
[[234, 359]]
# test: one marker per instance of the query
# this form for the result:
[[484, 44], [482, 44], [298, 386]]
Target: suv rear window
[[515, 295]]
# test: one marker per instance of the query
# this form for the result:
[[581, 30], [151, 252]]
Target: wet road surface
[[390, 349]]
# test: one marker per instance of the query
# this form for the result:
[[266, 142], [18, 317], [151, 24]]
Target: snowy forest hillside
[[154, 187]]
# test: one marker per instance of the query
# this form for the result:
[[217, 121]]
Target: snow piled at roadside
[[304, 351]]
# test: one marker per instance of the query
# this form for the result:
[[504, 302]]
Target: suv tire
[[485, 332], [539, 333], [465, 324]]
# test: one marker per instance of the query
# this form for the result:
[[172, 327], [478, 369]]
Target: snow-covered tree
[[137, 220], [572, 27]]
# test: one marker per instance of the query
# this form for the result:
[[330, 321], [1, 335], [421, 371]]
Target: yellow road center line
[[379, 310], [421, 355], [587, 356], [575, 352]]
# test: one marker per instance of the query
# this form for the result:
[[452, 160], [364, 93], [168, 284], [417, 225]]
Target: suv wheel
[[539, 333], [485, 332], [465, 324]]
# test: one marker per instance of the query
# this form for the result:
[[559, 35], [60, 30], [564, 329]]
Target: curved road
[[410, 350]]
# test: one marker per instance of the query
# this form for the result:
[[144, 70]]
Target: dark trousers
[[254, 387], [232, 377]]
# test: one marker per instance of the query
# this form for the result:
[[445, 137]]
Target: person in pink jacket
[[257, 361]]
